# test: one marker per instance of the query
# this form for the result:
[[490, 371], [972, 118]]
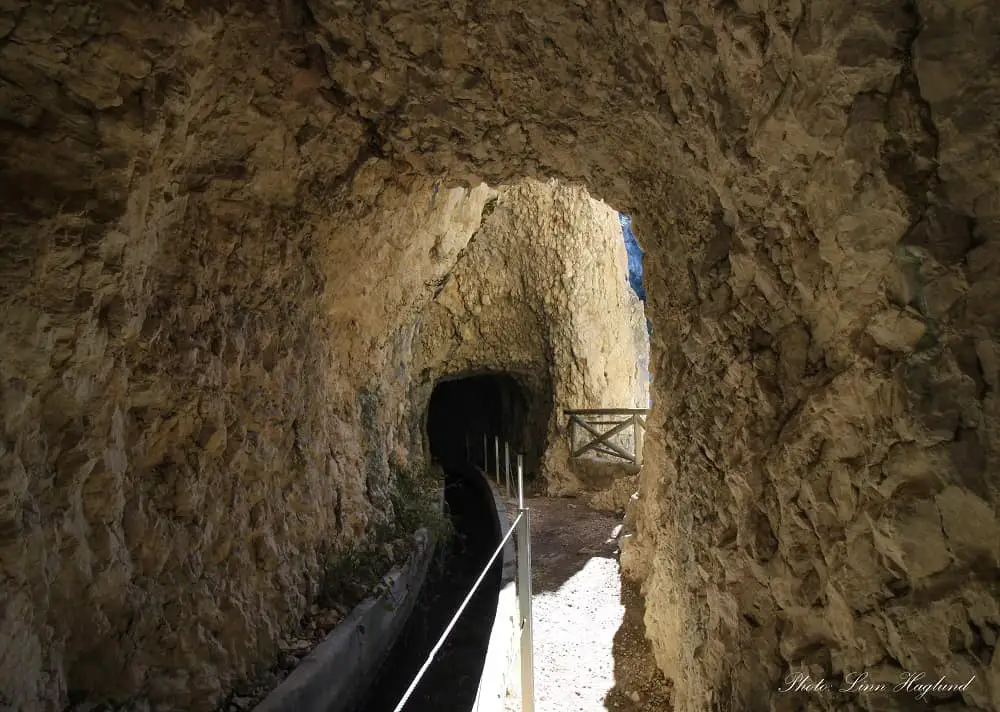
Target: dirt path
[[589, 655]]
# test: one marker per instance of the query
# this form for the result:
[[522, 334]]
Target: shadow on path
[[565, 535], [640, 686]]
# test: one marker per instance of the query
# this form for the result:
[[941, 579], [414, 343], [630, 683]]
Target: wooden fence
[[622, 438]]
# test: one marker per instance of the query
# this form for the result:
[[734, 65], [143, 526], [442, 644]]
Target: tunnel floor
[[452, 681]]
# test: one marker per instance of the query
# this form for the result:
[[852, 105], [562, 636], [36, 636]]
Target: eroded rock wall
[[187, 428], [541, 291], [815, 185], [842, 349]]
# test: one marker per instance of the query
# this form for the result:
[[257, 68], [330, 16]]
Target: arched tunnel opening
[[464, 409], [235, 234], [460, 411]]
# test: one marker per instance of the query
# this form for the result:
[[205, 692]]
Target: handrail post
[[468, 449], [524, 595], [496, 457], [637, 431], [506, 468], [486, 455]]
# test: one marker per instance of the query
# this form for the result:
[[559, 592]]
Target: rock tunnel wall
[[193, 418], [219, 225], [541, 291]]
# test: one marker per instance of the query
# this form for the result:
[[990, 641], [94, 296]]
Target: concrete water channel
[[368, 663], [453, 680]]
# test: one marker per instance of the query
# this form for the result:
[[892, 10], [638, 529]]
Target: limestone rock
[[221, 223], [542, 292], [896, 330]]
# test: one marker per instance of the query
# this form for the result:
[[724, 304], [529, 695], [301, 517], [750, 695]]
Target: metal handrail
[[454, 619], [523, 518]]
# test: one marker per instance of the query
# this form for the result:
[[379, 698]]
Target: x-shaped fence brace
[[602, 442]]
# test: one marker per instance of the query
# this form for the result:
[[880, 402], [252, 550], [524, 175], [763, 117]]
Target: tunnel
[[463, 408], [225, 225], [467, 405]]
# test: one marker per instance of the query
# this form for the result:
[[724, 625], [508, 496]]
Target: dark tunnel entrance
[[460, 408], [464, 408], [452, 680]]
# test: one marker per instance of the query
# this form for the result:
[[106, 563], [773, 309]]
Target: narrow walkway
[[589, 655]]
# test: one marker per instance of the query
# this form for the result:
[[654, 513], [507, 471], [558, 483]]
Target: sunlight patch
[[576, 626]]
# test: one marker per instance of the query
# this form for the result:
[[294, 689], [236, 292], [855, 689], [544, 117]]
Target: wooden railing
[[622, 439]]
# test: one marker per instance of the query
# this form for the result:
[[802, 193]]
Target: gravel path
[[589, 656]]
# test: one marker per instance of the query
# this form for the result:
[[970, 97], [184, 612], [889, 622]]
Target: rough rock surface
[[541, 292], [219, 219]]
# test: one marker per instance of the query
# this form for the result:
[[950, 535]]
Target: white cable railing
[[522, 527]]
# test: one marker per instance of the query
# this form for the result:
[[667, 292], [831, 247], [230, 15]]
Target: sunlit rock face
[[541, 291], [221, 223]]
